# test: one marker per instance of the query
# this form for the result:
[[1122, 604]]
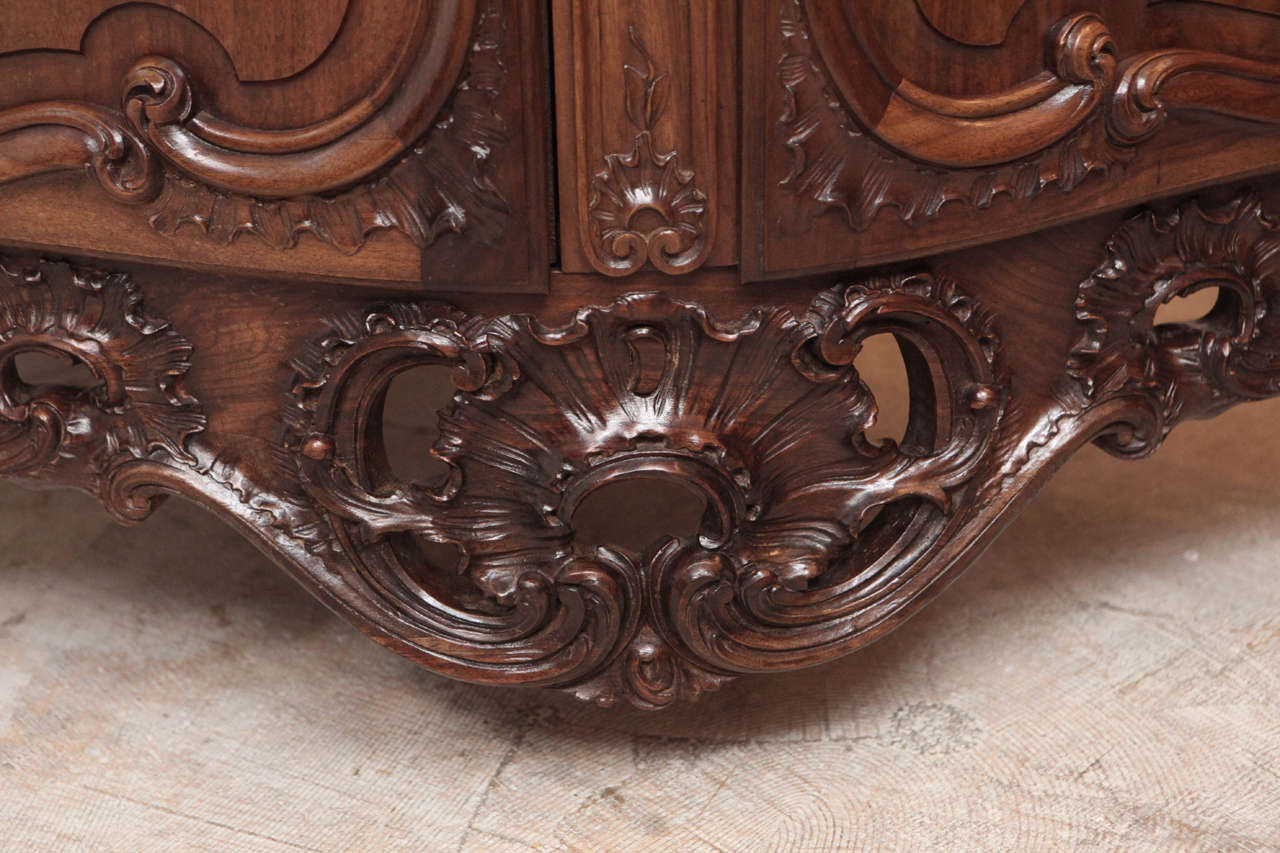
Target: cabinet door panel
[[394, 140], [879, 131]]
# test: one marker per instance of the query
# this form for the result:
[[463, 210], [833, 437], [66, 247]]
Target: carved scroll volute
[[964, 132], [642, 171], [410, 119], [329, 155]]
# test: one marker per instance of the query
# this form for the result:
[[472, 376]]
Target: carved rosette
[[140, 410], [812, 535], [1182, 370]]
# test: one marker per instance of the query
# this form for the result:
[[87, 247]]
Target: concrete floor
[[1106, 677]]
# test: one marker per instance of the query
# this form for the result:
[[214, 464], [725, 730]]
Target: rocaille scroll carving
[[815, 540], [141, 409], [414, 155], [1129, 380], [764, 415], [861, 138], [138, 432], [1170, 372]]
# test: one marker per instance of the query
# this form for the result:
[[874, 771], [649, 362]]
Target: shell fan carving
[[140, 408], [787, 563]]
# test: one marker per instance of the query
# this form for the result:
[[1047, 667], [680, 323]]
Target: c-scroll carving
[[765, 416], [414, 154], [140, 412], [59, 135], [971, 150], [1155, 83], [320, 158], [964, 132]]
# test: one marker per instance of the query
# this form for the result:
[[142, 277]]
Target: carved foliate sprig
[[644, 208], [645, 96]]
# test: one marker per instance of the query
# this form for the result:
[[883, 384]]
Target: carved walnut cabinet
[[648, 239]]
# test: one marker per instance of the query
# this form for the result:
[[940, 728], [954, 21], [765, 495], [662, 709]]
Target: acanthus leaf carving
[[416, 158], [836, 162], [441, 184], [1085, 115]]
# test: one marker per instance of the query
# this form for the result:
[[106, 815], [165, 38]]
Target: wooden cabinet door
[[878, 131], [399, 141]]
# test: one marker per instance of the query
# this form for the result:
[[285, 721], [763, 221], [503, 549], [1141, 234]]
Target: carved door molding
[[855, 160], [428, 135]]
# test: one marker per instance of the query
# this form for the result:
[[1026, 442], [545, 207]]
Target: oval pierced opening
[[881, 367], [636, 513], [46, 368], [1188, 308], [411, 423]]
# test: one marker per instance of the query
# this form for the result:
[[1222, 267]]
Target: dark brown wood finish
[[874, 134], [417, 130], [236, 241]]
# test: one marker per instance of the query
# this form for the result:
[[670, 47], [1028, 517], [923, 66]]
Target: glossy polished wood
[[741, 196], [420, 125], [873, 137]]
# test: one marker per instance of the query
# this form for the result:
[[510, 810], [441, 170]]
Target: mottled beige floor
[[1106, 677]]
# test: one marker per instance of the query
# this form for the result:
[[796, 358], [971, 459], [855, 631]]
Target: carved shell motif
[[140, 407], [1183, 370], [792, 560]]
